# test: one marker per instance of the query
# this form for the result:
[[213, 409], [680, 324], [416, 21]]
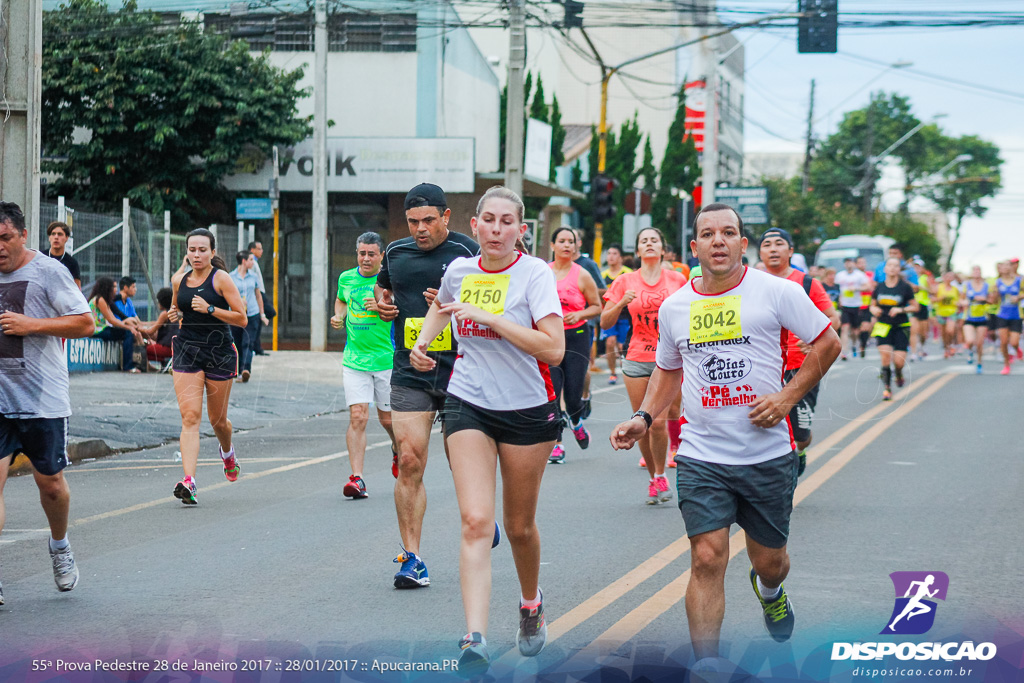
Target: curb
[[77, 451]]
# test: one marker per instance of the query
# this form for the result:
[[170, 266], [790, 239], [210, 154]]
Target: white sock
[[59, 545], [768, 593], [230, 454]]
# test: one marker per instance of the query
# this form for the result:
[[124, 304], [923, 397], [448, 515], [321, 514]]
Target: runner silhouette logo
[[916, 593]]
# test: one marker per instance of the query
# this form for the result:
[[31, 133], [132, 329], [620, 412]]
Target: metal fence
[[103, 247]]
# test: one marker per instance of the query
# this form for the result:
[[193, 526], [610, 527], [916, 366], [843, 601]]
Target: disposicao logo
[[916, 593], [914, 614]]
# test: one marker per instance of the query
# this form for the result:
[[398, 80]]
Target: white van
[[873, 248]]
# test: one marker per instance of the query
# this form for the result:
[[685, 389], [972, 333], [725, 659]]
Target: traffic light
[[573, 14], [603, 188], [819, 31]]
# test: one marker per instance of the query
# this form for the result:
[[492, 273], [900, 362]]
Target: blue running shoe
[[778, 613], [977, 370], [497, 536], [413, 573]]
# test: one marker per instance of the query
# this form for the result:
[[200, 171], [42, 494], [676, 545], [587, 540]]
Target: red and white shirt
[[491, 372], [729, 346]]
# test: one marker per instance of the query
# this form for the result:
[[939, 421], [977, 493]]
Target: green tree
[[844, 169], [167, 111], [966, 184], [679, 169], [647, 170]]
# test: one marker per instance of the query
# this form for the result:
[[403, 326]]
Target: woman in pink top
[[578, 293], [642, 293]]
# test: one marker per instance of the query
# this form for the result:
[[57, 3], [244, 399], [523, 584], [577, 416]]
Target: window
[[345, 32]]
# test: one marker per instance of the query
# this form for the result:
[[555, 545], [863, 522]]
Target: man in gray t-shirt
[[39, 305]]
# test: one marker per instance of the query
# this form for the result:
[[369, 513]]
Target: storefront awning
[[532, 187]]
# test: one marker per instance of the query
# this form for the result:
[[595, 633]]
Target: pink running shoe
[[231, 468], [652, 493], [664, 492], [1005, 370]]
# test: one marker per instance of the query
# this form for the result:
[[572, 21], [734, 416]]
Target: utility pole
[[275, 196], [709, 165], [868, 184], [810, 144], [515, 110], [318, 282], [21, 78]]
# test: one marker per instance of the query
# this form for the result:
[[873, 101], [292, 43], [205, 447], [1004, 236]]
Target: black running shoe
[[778, 613]]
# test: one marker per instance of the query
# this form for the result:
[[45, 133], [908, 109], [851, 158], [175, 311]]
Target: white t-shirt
[[850, 287], [33, 370], [735, 357], [489, 371]]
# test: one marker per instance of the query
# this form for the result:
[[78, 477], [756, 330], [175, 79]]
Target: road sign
[[645, 201], [631, 227], [751, 203], [249, 209]]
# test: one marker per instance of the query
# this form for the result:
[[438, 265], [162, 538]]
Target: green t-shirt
[[368, 344]]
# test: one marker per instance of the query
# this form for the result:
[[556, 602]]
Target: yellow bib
[[881, 330], [486, 291], [443, 342], [715, 319]]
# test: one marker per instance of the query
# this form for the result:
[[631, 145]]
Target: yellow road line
[[606, 596], [633, 623]]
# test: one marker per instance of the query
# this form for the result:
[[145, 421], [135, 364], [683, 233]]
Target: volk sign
[[371, 165]]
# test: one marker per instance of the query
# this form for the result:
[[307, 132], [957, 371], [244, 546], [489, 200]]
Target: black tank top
[[203, 327]]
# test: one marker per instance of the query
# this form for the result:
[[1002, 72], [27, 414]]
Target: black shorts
[[524, 427], [757, 497], [801, 415], [980, 322], [43, 439], [218, 360], [897, 339], [1012, 325], [417, 400], [850, 315], [923, 313]]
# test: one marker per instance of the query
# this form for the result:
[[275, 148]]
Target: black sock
[[899, 374], [864, 336], [887, 376]]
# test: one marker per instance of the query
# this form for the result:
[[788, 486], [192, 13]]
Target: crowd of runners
[[721, 364]]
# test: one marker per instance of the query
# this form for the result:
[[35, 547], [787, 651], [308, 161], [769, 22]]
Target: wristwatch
[[648, 420], [210, 309]]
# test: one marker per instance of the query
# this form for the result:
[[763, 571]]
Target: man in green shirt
[[368, 358]]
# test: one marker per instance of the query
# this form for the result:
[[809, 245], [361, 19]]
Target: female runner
[[578, 293], [976, 324], [1008, 322], [206, 302], [892, 299], [501, 409], [642, 293]]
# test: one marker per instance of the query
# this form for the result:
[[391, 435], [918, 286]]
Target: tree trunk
[[956, 238]]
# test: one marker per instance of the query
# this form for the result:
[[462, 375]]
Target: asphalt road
[[280, 567]]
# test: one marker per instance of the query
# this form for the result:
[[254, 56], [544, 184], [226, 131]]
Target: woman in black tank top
[[206, 302]]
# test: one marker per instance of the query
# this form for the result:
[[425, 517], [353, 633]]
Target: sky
[[777, 96]]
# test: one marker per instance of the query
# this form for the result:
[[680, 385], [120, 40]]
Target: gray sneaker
[[533, 630], [65, 572], [474, 661]]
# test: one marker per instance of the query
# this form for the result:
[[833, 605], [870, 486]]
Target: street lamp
[[958, 159]]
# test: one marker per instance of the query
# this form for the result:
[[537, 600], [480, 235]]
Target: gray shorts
[[416, 400], [635, 368], [757, 497]]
